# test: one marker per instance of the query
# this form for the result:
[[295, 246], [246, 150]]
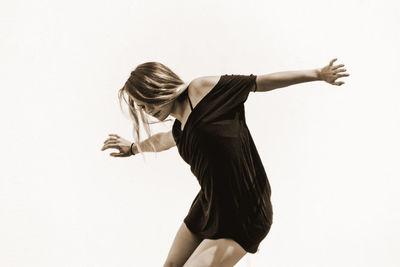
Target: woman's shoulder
[[204, 81], [201, 86]]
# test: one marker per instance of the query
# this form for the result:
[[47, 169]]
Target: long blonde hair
[[152, 83]]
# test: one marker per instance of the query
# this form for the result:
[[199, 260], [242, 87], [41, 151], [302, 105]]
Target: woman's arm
[[276, 80], [161, 141]]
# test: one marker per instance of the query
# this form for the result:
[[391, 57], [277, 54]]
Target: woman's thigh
[[221, 252], [184, 244]]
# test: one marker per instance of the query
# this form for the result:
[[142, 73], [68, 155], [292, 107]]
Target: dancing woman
[[232, 212]]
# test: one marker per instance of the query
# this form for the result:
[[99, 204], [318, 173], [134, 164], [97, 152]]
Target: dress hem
[[246, 248]]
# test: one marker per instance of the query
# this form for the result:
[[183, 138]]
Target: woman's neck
[[181, 108]]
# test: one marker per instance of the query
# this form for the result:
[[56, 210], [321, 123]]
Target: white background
[[331, 153]]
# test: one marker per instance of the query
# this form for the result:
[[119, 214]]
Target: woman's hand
[[115, 141], [330, 73]]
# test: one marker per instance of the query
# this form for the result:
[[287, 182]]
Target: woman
[[232, 213]]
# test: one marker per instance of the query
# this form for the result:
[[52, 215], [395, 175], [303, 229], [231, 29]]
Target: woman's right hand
[[330, 73], [117, 142]]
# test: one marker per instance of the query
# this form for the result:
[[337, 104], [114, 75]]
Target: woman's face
[[156, 111]]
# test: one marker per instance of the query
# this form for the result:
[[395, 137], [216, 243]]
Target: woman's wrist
[[318, 74]]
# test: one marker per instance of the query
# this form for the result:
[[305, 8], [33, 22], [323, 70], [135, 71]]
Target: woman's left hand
[[330, 73], [117, 142]]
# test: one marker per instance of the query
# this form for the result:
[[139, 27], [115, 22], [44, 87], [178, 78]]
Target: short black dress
[[234, 200]]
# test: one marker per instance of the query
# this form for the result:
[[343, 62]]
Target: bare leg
[[184, 244], [221, 252]]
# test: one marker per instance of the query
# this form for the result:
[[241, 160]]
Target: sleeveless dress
[[234, 200]]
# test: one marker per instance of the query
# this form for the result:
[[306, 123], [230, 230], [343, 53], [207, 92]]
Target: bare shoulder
[[201, 86], [205, 81]]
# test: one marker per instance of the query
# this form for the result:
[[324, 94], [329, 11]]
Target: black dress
[[234, 199]]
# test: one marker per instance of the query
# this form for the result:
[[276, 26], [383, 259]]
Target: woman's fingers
[[337, 66], [117, 154], [338, 83], [342, 75], [332, 72], [111, 141], [340, 70], [115, 141], [110, 146], [113, 137]]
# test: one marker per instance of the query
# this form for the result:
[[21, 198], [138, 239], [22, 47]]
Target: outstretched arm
[[162, 141], [276, 80]]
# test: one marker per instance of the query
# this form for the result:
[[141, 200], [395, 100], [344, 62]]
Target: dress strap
[[190, 102]]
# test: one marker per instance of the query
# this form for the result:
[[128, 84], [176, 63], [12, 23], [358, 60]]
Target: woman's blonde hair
[[152, 83]]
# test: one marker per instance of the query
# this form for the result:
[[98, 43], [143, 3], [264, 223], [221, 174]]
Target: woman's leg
[[220, 252], [184, 244]]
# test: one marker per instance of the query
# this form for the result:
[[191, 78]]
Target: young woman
[[232, 213]]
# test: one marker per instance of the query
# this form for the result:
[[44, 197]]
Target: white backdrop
[[330, 152]]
